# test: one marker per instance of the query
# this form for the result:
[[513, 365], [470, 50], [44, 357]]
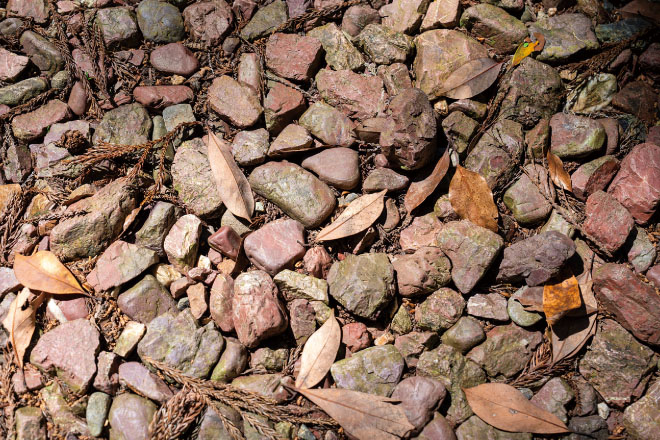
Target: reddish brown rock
[[135, 376], [220, 302], [107, 379], [32, 125], [607, 220], [78, 99], [396, 78], [639, 99], [197, 298], [234, 101], [421, 273], [8, 280], [317, 262], [208, 21], [594, 176], [226, 241], [276, 246], [174, 58], [292, 139], [36, 9], [422, 232], [250, 71], [282, 105], [355, 336], [356, 95], [121, 263], [293, 56], [337, 166], [357, 17], [419, 397], [162, 96], [328, 124], [302, 320], [612, 129], [653, 275], [72, 308], [11, 65]]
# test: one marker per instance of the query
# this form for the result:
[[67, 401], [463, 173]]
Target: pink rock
[[612, 128], [8, 281], [73, 308], [337, 166], [594, 176], [317, 262], [11, 65], [607, 220], [162, 96], [226, 241], [85, 63], [653, 275], [422, 232], [357, 17], [208, 21], [653, 137], [637, 98], [4, 109], [356, 95], [637, 184], [302, 320], [355, 336], [197, 297], [220, 302], [244, 8], [174, 58], [32, 125], [293, 56], [282, 105], [136, 376], [249, 71], [234, 101], [179, 287], [37, 9], [121, 263], [441, 14], [107, 379], [276, 246], [78, 99], [56, 131]]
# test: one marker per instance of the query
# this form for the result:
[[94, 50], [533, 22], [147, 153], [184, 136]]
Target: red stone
[[639, 99], [357, 96], [162, 96], [226, 241], [174, 58], [282, 105], [317, 262], [594, 176], [78, 99], [355, 336], [607, 220], [220, 302], [32, 125], [276, 246], [293, 56]]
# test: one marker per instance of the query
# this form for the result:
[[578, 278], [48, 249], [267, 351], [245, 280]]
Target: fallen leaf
[[524, 50], [43, 271], [470, 79], [358, 216], [364, 416], [319, 353], [570, 335], [540, 42], [644, 8], [505, 408], [472, 199], [561, 298], [233, 187], [20, 322], [558, 174], [419, 191]]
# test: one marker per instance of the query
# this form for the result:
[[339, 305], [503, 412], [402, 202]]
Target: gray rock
[[60, 412], [155, 228], [328, 124], [294, 285], [265, 20], [575, 136], [528, 197], [488, 306], [465, 334], [212, 427], [98, 406], [130, 416], [146, 300], [440, 310], [118, 26], [30, 423], [268, 385], [641, 418], [384, 45], [22, 91], [160, 21], [459, 129], [385, 178], [374, 370], [250, 147], [565, 36], [128, 124], [177, 114], [339, 51], [553, 397], [182, 243], [641, 251], [519, 315], [42, 52]]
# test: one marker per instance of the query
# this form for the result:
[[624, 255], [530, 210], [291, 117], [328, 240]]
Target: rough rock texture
[[130, 416], [575, 136], [293, 56], [375, 370], [182, 242], [440, 310], [422, 272], [146, 300], [328, 124], [608, 220], [121, 262], [339, 51], [419, 396], [384, 45], [464, 335], [594, 176], [488, 306], [499, 29], [338, 167], [128, 124], [528, 197], [355, 95], [641, 418], [234, 101], [138, 378], [208, 21], [277, 245]]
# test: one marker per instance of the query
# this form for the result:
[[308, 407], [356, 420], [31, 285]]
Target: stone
[[419, 396], [441, 14], [250, 71], [32, 125], [208, 21], [471, 249], [256, 309], [8, 280], [238, 225], [212, 427], [18, 163], [179, 342], [295, 191], [146, 300], [294, 285], [234, 101], [193, 180], [64, 416], [267, 385], [291, 56], [302, 320], [173, 58], [339, 51], [78, 99], [506, 351], [500, 30], [36, 9], [317, 262], [357, 17], [594, 176], [641, 251], [639, 99], [374, 370], [437, 429], [404, 15], [396, 78], [276, 245], [226, 241], [355, 336], [42, 53], [291, 140], [128, 124], [464, 335], [249, 147], [337, 166], [553, 397], [30, 423], [519, 315], [98, 407], [177, 114], [385, 178], [637, 184], [155, 228], [328, 124], [57, 131], [138, 378], [364, 284], [633, 303], [459, 129], [422, 272], [232, 362], [269, 359], [641, 418], [22, 91], [122, 262], [357, 96], [118, 26], [575, 136], [608, 221], [160, 21], [384, 45], [477, 429], [182, 242], [265, 20], [70, 350], [615, 363], [283, 105], [538, 139], [536, 259], [440, 310], [488, 306], [529, 199], [596, 94], [220, 302], [107, 379], [565, 36], [130, 416], [129, 338]]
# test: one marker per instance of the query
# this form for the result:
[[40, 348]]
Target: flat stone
[[18, 162], [594, 176], [596, 94], [328, 124], [464, 335], [384, 45], [292, 139], [553, 397], [282, 105], [338, 167], [565, 36], [641, 418], [128, 124], [440, 310], [575, 136], [608, 220], [130, 416], [30, 423], [118, 26], [146, 300], [294, 285], [499, 29], [250, 71], [177, 114], [265, 20], [357, 96], [129, 338], [639, 99], [160, 21], [385, 178], [276, 245], [249, 147], [155, 228], [419, 397], [138, 378], [641, 251], [235, 101], [174, 58], [404, 15], [291, 56], [488, 306], [232, 363], [182, 242], [22, 91], [357, 17], [374, 370], [519, 315], [220, 302], [32, 125], [528, 198], [441, 14], [98, 407], [121, 263], [422, 272], [339, 51], [41, 52], [208, 21], [302, 320]]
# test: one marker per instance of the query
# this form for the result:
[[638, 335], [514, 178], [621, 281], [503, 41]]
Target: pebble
[[174, 58], [98, 407], [208, 21], [130, 416], [182, 242], [575, 136], [385, 178], [282, 106], [465, 334], [250, 147], [338, 167], [594, 176], [234, 101], [607, 220], [265, 20], [42, 53], [232, 363], [291, 56], [374, 370], [488, 306]]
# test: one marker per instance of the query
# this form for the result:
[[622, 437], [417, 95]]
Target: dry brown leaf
[[419, 191], [233, 187], [319, 353], [358, 216], [472, 199], [570, 335], [20, 322], [470, 79], [364, 416], [505, 408], [561, 298], [557, 172], [540, 42], [43, 271]]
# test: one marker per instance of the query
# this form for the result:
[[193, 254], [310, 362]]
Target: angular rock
[[440, 310], [395, 77], [30, 423], [276, 246], [282, 106], [294, 285], [32, 125], [129, 338], [639, 99], [422, 272], [107, 379], [121, 262], [338, 167], [36, 9], [501, 31], [384, 45], [292, 56], [265, 20], [594, 176], [328, 124], [565, 36], [18, 163], [374, 370], [355, 336], [138, 378], [528, 197], [641, 251], [385, 178], [575, 136], [235, 101], [268, 385], [174, 58], [22, 91], [488, 306], [250, 71], [128, 124], [155, 228], [160, 21], [357, 96], [98, 406], [419, 397], [269, 359], [404, 15], [226, 241], [293, 139], [61, 412], [459, 129], [608, 221], [317, 262], [232, 362], [182, 242], [339, 51], [146, 300], [249, 147], [118, 26], [357, 17], [220, 302], [641, 418], [41, 52], [464, 335], [130, 416], [441, 14], [302, 320], [553, 397], [208, 21]]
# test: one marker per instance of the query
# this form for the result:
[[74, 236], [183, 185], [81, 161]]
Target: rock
[[294, 285], [536, 259], [594, 176], [653, 275], [30, 423], [409, 141], [384, 45], [396, 78], [641, 418], [355, 336], [269, 359], [208, 21], [437, 429], [500, 30], [404, 15], [553, 397], [422, 272], [268, 385], [471, 249], [338, 167], [385, 178], [637, 184], [232, 362], [155, 228], [459, 129], [265, 20], [62, 414], [177, 114], [302, 320], [160, 21], [615, 363], [441, 14], [70, 350], [464, 335], [146, 300], [98, 406], [174, 57], [639, 99], [8, 280], [291, 56], [317, 262], [128, 124], [36, 9], [293, 139], [596, 94], [439, 53], [18, 163], [328, 124], [413, 344], [41, 52], [575, 136], [296, 191], [357, 96], [130, 416], [641, 251], [621, 30], [477, 429], [519, 315], [339, 51], [607, 220], [226, 241], [528, 198], [249, 147], [612, 128], [250, 71], [565, 36], [22, 91], [276, 245], [107, 379], [357, 17], [89, 234], [211, 426], [135, 376], [57, 131], [440, 310], [118, 26], [129, 338], [538, 138], [364, 284], [220, 302], [193, 180], [506, 351], [179, 342], [78, 99], [182, 242], [282, 106], [235, 101], [121, 262], [633, 303], [374, 370], [32, 125], [488, 306], [419, 396]]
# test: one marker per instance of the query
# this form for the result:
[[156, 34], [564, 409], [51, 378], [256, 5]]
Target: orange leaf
[[558, 174], [523, 51], [561, 298], [21, 322], [419, 191], [540, 40], [472, 199], [43, 271], [319, 353]]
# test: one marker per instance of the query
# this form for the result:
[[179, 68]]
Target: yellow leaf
[[43, 271], [561, 298]]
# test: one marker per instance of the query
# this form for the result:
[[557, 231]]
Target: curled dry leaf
[[561, 298], [419, 191], [43, 271], [358, 216], [527, 47], [364, 416], [471, 78], [472, 199], [233, 187], [558, 174], [319, 353], [505, 408], [540, 42], [20, 322], [570, 335]]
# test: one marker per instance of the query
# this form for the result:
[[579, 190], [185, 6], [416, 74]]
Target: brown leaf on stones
[[505, 408], [364, 416], [358, 216], [472, 199], [319, 353], [20, 322], [419, 191], [561, 298], [558, 174], [570, 335], [233, 187], [44, 272], [470, 79]]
